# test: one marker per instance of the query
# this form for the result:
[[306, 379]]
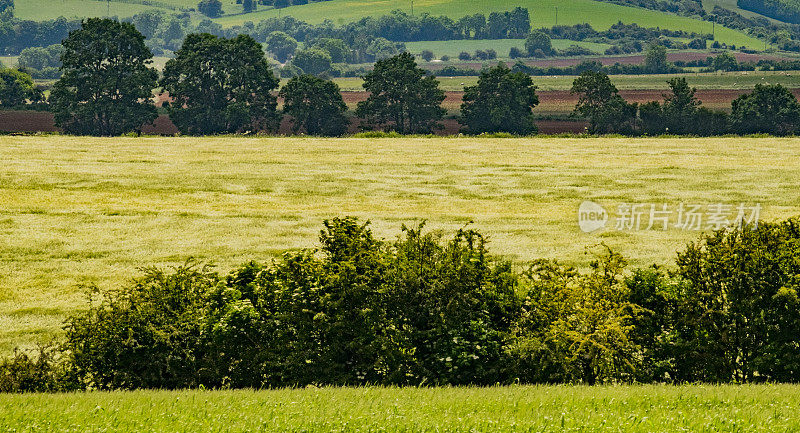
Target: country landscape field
[[399, 216]]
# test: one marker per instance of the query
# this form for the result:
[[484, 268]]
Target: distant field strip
[[764, 408], [77, 211]]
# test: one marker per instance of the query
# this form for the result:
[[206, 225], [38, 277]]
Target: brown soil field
[[552, 103]]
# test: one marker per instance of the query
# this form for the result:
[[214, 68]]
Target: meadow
[[76, 211], [753, 408], [600, 15]]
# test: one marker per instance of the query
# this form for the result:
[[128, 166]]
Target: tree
[[210, 8], [220, 85], [501, 102], [538, 44], [6, 5], [315, 105], [248, 6], [680, 107], [281, 45], [336, 48], [403, 97], [312, 61], [770, 109], [738, 317], [106, 87], [725, 62], [16, 88], [427, 55], [655, 59], [601, 103]]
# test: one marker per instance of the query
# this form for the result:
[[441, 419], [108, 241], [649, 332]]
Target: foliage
[[145, 336], [40, 373], [501, 102], [281, 45], [538, 44], [315, 105], [737, 317], [16, 88], [403, 97], [770, 109], [655, 59], [312, 61], [575, 327], [600, 102], [220, 85], [210, 8], [106, 84]]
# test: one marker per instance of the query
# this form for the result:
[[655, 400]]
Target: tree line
[[217, 86], [425, 310]]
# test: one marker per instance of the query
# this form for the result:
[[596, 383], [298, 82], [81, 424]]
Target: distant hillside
[[783, 10], [544, 13]]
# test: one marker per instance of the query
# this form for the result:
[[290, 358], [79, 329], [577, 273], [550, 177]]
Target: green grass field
[[600, 15], [77, 211], [543, 12], [766, 408], [731, 80]]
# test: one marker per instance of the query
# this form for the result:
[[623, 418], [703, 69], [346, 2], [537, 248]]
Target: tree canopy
[[106, 85], [220, 85], [599, 101], [16, 88], [403, 97], [501, 102], [770, 109], [315, 105]]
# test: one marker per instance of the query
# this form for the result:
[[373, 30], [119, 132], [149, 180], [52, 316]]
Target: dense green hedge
[[422, 310]]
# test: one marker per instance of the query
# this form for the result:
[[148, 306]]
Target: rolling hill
[[544, 13]]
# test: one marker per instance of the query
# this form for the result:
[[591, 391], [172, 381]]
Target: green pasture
[[754, 408]]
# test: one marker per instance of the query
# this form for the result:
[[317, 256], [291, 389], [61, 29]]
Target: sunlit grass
[[770, 408]]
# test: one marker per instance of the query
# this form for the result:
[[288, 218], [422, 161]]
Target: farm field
[[706, 81], [754, 408], [76, 211], [502, 46], [600, 15]]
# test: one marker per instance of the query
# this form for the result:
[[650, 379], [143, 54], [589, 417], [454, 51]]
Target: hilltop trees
[[501, 102], [315, 105], [106, 86], [220, 85], [403, 97]]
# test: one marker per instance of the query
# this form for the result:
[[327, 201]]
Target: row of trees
[[769, 109], [424, 311], [217, 85]]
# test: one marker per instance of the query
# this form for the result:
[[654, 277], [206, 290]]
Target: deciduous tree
[[107, 84], [501, 102], [403, 97], [315, 105], [221, 85]]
